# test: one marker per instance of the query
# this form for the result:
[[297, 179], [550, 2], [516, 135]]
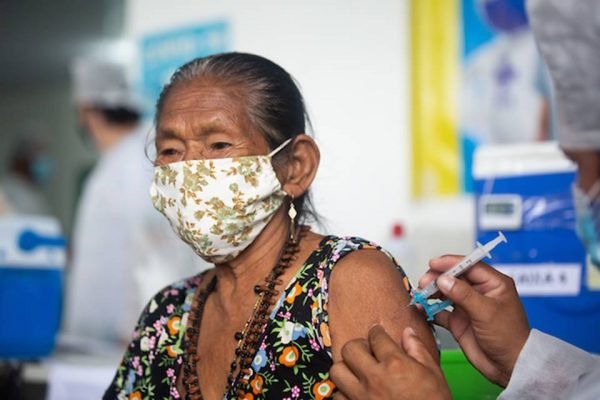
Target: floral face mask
[[218, 206]]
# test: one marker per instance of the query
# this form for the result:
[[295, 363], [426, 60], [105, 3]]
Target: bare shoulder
[[369, 269], [367, 288]]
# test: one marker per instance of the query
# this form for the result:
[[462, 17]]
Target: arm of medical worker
[[549, 368], [544, 368], [488, 320]]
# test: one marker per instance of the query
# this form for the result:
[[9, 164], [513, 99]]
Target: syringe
[[482, 251]]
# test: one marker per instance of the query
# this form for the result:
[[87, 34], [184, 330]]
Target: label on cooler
[[547, 279], [31, 242]]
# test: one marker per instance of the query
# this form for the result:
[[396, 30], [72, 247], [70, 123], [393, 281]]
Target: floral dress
[[294, 355]]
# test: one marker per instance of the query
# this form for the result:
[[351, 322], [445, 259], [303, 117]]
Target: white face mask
[[218, 206]]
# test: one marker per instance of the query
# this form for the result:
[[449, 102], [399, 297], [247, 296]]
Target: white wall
[[351, 59]]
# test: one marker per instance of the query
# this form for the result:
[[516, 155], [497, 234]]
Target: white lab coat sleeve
[[548, 368]]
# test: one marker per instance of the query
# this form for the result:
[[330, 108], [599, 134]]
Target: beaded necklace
[[248, 338]]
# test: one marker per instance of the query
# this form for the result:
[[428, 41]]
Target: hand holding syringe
[[421, 296]]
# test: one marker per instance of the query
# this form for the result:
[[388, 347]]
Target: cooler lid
[[492, 161]]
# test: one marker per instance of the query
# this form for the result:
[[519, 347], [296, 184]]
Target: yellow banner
[[434, 92]]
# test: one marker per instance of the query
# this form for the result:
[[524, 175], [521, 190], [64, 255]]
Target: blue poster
[[163, 53], [504, 95]]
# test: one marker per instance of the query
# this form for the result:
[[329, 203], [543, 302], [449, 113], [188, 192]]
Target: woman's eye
[[220, 145], [168, 152]]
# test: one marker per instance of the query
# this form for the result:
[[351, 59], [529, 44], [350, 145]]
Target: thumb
[[463, 295], [415, 348]]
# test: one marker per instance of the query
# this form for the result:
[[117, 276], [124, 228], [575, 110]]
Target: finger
[[444, 263], [358, 358], [345, 381], [478, 274], [456, 322], [442, 319], [471, 347], [475, 305], [415, 348], [428, 277], [381, 344], [340, 396]]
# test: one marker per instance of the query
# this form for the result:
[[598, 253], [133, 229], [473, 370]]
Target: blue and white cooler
[[32, 260], [525, 191]]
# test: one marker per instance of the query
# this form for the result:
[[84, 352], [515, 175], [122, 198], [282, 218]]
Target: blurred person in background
[[122, 250], [501, 99], [488, 320], [29, 170]]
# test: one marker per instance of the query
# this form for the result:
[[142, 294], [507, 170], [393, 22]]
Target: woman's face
[[200, 120]]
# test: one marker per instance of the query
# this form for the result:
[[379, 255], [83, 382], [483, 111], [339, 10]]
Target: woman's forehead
[[202, 96], [192, 111], [197, 103]]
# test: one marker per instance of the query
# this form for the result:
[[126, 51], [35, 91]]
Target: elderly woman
[[233, 170]]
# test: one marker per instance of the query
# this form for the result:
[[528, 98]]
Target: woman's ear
[[301, 166]]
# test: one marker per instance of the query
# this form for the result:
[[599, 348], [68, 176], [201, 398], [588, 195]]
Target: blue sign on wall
[[163, 53]]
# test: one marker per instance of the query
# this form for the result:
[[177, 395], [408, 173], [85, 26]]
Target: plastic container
[[525, 191], [32, 259]]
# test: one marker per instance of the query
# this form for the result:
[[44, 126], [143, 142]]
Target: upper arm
[[366, 288]]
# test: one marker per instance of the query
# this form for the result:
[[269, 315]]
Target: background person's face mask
[[218, 206], [587, 214], [41, 169]]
